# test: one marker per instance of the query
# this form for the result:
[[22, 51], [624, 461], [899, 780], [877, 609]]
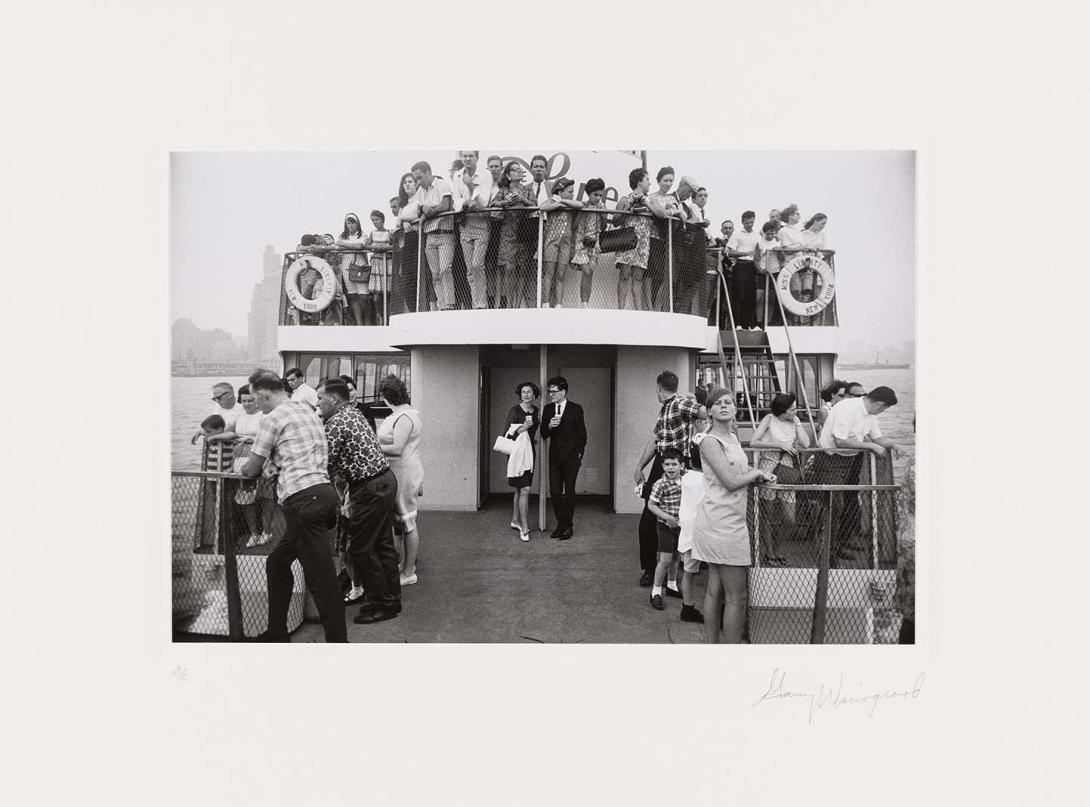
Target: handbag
[[359, 274], [619, 239], [788, 474], [504, 444]]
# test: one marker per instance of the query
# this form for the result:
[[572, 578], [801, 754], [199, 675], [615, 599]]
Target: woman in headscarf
[[355, 271]]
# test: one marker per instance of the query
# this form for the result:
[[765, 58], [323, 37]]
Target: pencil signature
[[835, 697]]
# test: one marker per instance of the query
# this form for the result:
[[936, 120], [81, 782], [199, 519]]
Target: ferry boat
[[461, 367]]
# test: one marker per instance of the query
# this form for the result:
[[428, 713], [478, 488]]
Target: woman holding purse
[[782, 434], [523, 417], [355, 271]]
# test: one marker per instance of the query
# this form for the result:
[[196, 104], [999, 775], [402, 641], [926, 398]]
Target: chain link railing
[[223, 527], [825, 552]]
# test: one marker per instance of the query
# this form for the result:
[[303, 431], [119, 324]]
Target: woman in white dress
[[720, 535], [399, 436], [379, 239], [782, 433]]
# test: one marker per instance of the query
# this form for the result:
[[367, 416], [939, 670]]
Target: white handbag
[[505, 443]]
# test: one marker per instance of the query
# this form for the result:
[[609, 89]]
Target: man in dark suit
[[563, 425]]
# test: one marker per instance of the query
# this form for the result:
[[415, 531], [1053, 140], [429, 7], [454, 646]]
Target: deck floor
[[479, 583]]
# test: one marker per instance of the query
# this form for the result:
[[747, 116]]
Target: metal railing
[[824, 552], [526, 263], [218, 583]]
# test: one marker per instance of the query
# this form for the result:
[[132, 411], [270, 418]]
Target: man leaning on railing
[[434, 197]]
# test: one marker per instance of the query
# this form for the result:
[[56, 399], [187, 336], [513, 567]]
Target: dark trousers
[[310, 515], [648, 531], [743, 294], [371, 549], [688, 268], [653, 277], [562, 474], [834, 469]]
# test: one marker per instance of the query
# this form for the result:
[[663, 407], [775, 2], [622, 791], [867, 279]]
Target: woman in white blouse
[[813, 231], [789, 235]]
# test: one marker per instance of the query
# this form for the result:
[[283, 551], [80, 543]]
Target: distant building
[[265, 312]]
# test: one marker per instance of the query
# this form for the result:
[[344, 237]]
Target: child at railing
[[768, 266], [218, 448], [558, 245]]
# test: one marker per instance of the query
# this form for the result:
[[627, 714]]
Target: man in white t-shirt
[[434, 196], [743, 291], [224, 405], [300, 389], [850, 431], [472, 191]]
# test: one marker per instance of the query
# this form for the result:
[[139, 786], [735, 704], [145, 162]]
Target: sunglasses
[[216, 398]]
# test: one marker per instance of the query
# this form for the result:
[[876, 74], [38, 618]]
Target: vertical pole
[[540, 239], [387, 259], [821, 593], [873, 512], [670, 260], [419, 259], [543, 461], [765, 320], [718, 294], [230, 566]]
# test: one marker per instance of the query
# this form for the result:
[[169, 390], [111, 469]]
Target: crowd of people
[[479, 228], [317, 453], [695, 493]]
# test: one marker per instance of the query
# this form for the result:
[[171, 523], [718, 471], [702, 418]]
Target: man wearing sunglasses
[[223, 397]]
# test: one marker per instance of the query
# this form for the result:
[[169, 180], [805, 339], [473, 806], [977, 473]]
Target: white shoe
[[254, 540], [516, 526], [583, 305], [264, 538], [558, 305], [408, 581], [524, 536]]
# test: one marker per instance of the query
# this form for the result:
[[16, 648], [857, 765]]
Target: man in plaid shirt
[[673, 429], [292, 439], [356, 461]]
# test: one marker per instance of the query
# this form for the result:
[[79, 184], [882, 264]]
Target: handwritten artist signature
[[836, 697]]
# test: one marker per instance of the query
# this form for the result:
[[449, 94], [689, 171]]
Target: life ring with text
[[321, 301], [803, 263]]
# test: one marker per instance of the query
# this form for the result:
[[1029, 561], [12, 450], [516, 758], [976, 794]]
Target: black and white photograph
[[547, 404], [492, 395]]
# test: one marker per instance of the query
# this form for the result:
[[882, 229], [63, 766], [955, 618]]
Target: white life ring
[[329, 284], [799, 263]]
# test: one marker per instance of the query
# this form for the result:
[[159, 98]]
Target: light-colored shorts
[[559, 252], [689, 563]]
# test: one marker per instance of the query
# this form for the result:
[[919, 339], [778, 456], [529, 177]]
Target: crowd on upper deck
[[476, 235]]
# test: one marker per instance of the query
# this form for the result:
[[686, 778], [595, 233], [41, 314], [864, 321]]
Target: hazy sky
[[226, 206]]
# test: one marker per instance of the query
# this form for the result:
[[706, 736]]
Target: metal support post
[[540, 252], [230, 565], [670, 261], [821, 593]]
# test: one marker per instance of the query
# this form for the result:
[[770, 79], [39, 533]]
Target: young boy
[[588, 224], [218, 448], [693, 490], [556, 250], [665, 503]]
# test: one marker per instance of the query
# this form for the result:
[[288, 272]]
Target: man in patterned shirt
[[291, 438], [357, 463], [673, 429]]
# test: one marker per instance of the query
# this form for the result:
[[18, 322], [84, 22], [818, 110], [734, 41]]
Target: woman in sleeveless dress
[[399, 436], [782, 433], [720, 535]]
